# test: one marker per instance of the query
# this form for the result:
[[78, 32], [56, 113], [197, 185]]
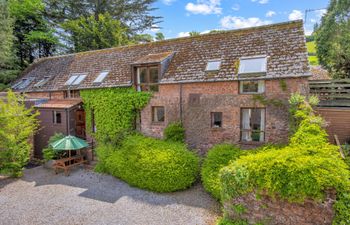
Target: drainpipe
[[181, 109], [68, 122]]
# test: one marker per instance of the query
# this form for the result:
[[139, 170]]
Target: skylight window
[[101, 77], [76, 79], [252, 65], [42, 82], [23, 83], [213, 65]]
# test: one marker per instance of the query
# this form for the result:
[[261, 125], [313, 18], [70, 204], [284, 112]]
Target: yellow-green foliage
[[174, 132], [311, 48], [218, 157], [17, 126], [149, 163], [306, 168], [114, 110]]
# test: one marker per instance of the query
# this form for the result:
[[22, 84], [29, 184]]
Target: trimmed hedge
[[218, 157], [150, 164]]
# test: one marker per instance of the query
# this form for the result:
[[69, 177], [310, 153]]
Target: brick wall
[[48, 95], [276, 211], [218, 97]]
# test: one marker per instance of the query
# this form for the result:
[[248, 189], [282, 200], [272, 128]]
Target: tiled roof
[[318, 73], [59, 104], [283, 43]]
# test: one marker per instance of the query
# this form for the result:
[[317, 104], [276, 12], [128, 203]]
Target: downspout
[[67, 120], [181, 109]]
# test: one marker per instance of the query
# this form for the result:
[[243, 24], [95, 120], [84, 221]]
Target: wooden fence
[[332, 92]]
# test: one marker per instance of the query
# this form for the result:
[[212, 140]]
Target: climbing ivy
[[114, 111], [268, 102]]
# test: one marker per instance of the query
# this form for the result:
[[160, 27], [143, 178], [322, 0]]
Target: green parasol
[[69, 143]]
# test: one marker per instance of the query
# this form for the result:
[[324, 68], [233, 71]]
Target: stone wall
[[193, 102], [275, 211]]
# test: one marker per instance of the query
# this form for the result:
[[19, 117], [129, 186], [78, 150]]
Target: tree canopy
[[333, 39]]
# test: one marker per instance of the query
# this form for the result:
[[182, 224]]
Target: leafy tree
[[132, 13], [89, 33], [194, 33], [17, 126], [143, 38], [7, 58], [160, 36], [333, 39], [34, 37]]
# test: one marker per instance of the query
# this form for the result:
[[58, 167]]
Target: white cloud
[[183, 34], [234, 22], [236, 7], [204, 7], [168, 2], [261, 1], [270, 13], [295, 15], [321, 12]]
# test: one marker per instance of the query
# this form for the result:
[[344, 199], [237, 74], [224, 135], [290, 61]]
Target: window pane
[[153, 72], [71, 79], [216, 118], [58, 118], [253, 65], [213, 65], [253, 124], [158, 114], [143, 75], [250, 87], [101, 77], [79, 79]]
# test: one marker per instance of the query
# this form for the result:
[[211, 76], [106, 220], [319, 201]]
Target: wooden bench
[[67, 163]]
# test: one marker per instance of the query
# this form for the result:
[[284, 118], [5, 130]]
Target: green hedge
[[218, 157], [175, 132], [149, 163], [306, 168]]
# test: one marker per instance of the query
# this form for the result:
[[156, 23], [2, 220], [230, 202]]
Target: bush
[[218, 157], [149, 163], [306, 168], [48, 152], [175, 132]]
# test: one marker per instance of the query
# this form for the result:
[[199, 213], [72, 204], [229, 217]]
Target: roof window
[[213, 65], [101, 77], [42, 82], [252, 65], [23, 83], [76, 79]]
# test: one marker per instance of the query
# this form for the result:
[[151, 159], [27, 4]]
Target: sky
[[182, 16]]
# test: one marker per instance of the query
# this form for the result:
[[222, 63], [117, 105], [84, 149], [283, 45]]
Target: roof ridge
[[175, 39]]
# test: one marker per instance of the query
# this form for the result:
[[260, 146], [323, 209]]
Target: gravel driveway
[[85, 197]]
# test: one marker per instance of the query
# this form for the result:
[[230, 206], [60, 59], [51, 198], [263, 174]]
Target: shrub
[[151, 164], [175, 132], [48, 152], [218, 157]]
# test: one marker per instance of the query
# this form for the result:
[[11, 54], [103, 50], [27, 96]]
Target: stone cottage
[[229, 86]]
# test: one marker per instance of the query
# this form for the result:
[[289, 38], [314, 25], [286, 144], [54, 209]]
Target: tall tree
[[333, 39], [132, 13], [90, 34], [8, 69], [34, 37], [160, 36]]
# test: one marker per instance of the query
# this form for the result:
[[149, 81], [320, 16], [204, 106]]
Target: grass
[[311, 49]]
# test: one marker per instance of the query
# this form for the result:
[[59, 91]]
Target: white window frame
[[261, 86], [101, 76], [155, 118], [76, 79], [218, 61], [246, 131], [242, 65]]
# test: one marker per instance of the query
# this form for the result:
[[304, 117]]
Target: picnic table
[[67, 163]]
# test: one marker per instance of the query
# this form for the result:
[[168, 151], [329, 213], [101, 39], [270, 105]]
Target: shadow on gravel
[[109, 189]]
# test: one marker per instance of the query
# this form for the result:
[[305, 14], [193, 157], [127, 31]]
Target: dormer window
[[101, 77], [213, 65], [252, 65], [76, 79], [148, 78], [42, 82], [23, 83]]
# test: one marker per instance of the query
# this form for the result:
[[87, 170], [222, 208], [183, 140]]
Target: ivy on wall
[[113, 111]]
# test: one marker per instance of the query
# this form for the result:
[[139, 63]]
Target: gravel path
[[40, 197]]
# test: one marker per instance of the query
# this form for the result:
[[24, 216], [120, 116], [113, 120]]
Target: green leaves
[[17, 126], [175, 132], [149, 163]]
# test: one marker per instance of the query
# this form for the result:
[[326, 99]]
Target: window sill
[[216, 128], [251, 93], [157, 123]]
